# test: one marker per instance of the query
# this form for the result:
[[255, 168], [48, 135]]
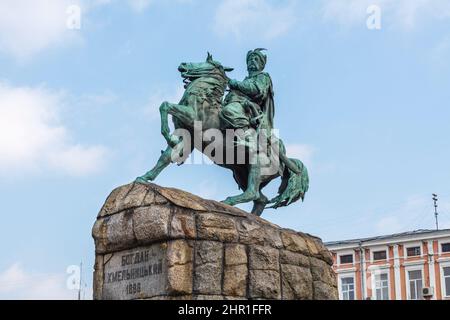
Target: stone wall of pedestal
[[161, 243]]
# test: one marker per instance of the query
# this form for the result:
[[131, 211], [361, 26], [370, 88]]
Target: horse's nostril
[[182, 67]]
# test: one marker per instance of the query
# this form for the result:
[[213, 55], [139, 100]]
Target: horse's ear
[[228, 69], [209, 58]]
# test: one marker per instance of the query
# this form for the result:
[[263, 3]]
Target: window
[[348, 288], [446, 247], [413, 251], [382, 286], [346, 258], [379, 255], [415, 284], [446, 272]]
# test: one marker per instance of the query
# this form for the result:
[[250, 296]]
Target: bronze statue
[[257, 156], [248, 99]]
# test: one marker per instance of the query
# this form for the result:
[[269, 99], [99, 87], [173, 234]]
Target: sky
[[365, 106]]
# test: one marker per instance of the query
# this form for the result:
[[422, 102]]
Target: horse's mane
[[216, 83]]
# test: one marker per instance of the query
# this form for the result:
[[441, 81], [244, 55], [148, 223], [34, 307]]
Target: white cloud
[[139, 5], [16, 283], [303, 152], [402, 14], [32, 136], [346, 12], [415, 212], [254, 17], [77, 159], [28, 27], [387, 225], [101, 2]]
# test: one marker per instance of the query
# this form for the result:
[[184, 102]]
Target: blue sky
[[366, 110]]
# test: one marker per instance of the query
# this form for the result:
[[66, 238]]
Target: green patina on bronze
[[249, 107]]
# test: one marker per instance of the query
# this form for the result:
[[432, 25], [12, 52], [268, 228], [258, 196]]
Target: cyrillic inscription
[[135, 273]]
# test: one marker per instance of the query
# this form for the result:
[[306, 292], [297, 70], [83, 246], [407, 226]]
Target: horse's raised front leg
[[176, 154], [184, 114], [163, 111], [163, 161]]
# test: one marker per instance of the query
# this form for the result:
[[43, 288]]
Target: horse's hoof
[[228, 201], [141, 180]]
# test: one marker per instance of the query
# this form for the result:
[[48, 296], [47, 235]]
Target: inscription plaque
[[136, 273]]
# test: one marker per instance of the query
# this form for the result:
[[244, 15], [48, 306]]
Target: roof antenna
[[435, 199]]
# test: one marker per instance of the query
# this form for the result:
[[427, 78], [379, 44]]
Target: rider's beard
[[252, 69]]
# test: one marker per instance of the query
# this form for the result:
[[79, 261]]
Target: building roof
[[388, 237]]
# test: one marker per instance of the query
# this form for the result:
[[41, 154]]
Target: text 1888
[[133, 288]]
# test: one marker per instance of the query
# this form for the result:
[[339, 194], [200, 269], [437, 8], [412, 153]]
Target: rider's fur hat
[[258, 52]]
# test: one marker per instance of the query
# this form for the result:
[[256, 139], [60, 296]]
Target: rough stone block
[[98, 277], [235, 280], [218, 227], [297, 282], [119, 231], [323, 291], [293, 258], [321, 271], [294, 242], [114, 201], [179, 279], [183, 225], [151, 223], [264, 284], [99, 235], [263, 258], [208, 267], [179, 252], [252, 232], [134, 197], [162, 243], [235, 254]]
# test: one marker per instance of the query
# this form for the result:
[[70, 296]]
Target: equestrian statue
[[235, 132]]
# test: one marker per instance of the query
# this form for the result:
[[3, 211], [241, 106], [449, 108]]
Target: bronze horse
[[205, 85]]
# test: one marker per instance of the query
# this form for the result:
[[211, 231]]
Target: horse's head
[[209, 68]]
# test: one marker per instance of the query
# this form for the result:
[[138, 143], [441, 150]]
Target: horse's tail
[[293, 186]]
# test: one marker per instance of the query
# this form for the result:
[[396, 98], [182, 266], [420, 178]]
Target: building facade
[[405, 266]]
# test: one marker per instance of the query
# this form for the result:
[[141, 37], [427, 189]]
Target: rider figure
[[250, 102]]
